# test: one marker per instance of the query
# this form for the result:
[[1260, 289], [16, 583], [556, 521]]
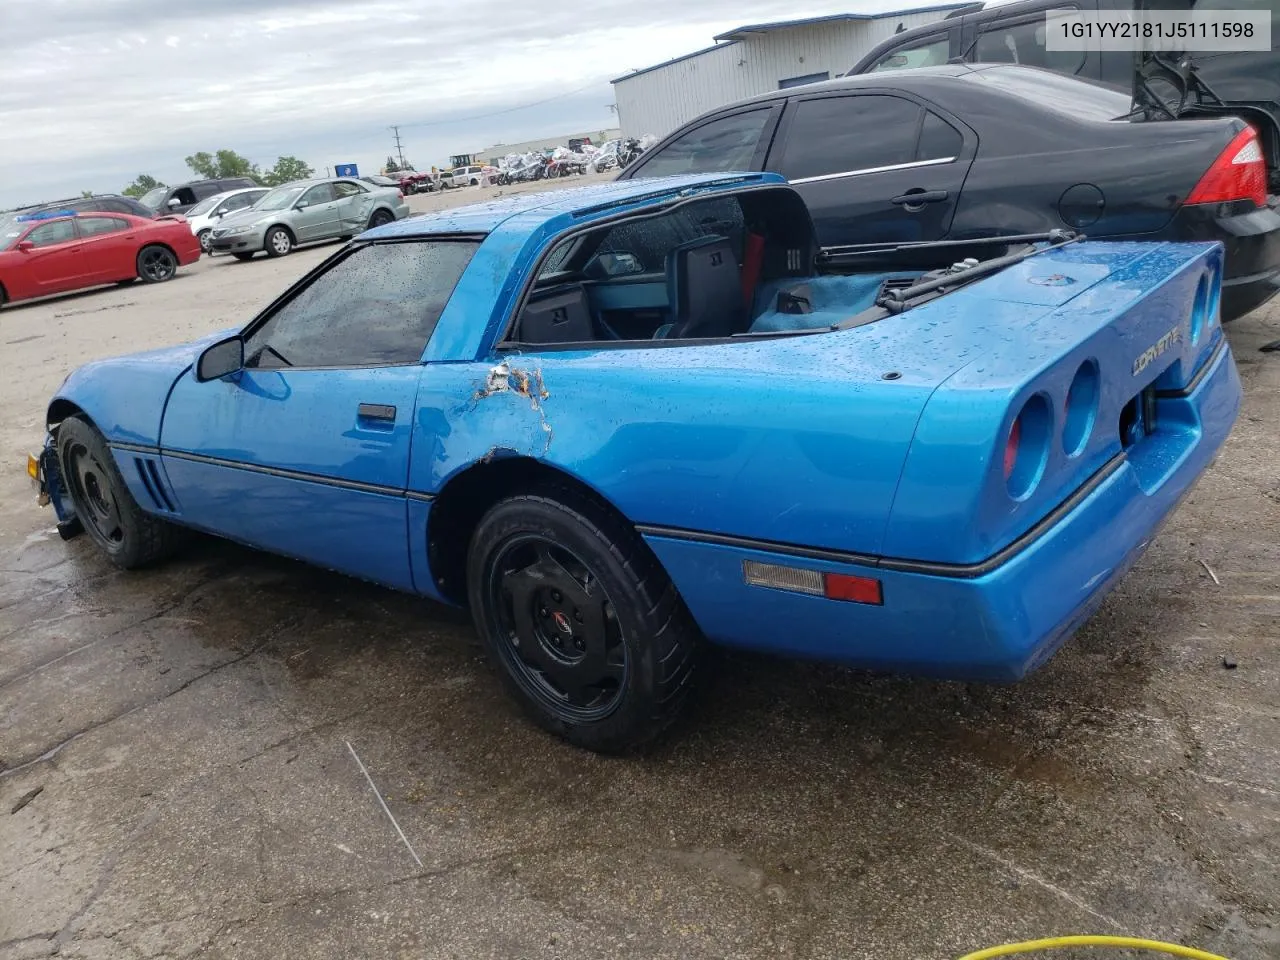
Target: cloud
[[93, 92]]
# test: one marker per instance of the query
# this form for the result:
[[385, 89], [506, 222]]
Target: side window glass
[[96, 226], [835, 135], [344, 189], [728, 143], [377, 306], [922, 55], [1024, 43], [939, 140], [46, 235], [321, 194]]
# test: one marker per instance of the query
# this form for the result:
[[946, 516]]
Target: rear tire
[[156, 264], [587, 631], [279, 242], [380, 218], [129, 537]]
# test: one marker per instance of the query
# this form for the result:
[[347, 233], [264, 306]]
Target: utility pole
[[399, 149]]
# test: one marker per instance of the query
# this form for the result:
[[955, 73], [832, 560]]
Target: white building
[[755, 59]]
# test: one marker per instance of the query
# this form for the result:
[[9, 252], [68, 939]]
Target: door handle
[[916, 199], [378, 412]]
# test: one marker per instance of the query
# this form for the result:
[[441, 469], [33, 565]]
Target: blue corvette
[[623, 420]]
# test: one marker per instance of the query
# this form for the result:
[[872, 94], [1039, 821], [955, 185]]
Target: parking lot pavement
[[175, 753]]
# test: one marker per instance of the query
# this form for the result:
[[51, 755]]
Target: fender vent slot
[[151, 482]]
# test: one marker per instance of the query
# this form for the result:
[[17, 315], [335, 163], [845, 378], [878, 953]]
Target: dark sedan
[[965, 152]]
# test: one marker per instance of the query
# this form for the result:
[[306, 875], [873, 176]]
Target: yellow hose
[[1130, 943]]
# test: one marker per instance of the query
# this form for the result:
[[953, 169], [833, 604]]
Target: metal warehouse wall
[[661, 98]]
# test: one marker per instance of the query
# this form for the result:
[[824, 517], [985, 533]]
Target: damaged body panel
[[519, 404]]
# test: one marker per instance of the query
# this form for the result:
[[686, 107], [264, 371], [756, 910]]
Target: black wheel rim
[[381, 218], [93, 494], [157, 265], [557, 629]]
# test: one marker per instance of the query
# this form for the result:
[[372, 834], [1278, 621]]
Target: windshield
[[204, 206], [279, 198], [153, 198], [10, 231], [1065, 95]]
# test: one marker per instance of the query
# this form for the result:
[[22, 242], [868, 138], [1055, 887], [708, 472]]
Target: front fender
[[125, 396]]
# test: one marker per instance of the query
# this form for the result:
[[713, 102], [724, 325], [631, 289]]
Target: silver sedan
[[307, 211]]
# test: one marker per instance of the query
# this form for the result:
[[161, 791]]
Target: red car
[[43, 254]]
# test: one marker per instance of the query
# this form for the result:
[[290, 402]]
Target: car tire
[[204, 236], [278, 242], [587, 631], [156, 264], [104, 506], [380, 218]]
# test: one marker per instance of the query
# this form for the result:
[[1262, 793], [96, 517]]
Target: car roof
[[914, 78], [582, 203]]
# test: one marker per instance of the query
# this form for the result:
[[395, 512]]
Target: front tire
[[584, 626], [156, 264], [204, 236], [279, 242], [129, 537]]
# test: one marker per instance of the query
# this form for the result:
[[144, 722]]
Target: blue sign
[[346, 170]]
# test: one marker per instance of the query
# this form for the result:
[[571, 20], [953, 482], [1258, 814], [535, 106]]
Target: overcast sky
[[94, 92]]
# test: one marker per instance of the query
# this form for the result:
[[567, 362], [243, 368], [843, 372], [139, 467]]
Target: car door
[[874, 167], [109, 247], [54, 263], [355, 206], [737, 140], [306, 450], [315, 215]]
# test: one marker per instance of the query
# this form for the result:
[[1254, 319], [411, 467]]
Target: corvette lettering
[[1147, 356]]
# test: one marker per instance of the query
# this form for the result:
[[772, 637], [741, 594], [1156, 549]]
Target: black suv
[[183, 197], [1243, 84], [100, 203]]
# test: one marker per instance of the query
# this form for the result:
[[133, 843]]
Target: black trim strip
[[299, 475], [1194, 383], [960, 570], [134, 448]]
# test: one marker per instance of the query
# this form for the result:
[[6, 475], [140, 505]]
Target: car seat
[[704, 290], [560, 318]]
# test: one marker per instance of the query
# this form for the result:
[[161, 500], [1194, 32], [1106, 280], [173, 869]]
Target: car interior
[[710, 269]]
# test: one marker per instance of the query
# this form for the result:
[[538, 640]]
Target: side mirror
[[220, 360], [25, 245], [302, 204], [174, 202]]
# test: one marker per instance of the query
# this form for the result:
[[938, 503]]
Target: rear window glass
[[1064, 95]]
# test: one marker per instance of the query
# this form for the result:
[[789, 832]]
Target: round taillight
[[1026, 449], [1081, 409], [1011, 448]]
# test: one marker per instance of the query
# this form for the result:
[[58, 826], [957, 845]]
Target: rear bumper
[[1252, 242], [983, 623]]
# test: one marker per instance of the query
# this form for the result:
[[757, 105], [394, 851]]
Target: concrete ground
[[177, 776]]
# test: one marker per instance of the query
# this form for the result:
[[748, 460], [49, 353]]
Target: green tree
[[142, 184], [286, 170], [391, 165], [86, 194], [224, 163]]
